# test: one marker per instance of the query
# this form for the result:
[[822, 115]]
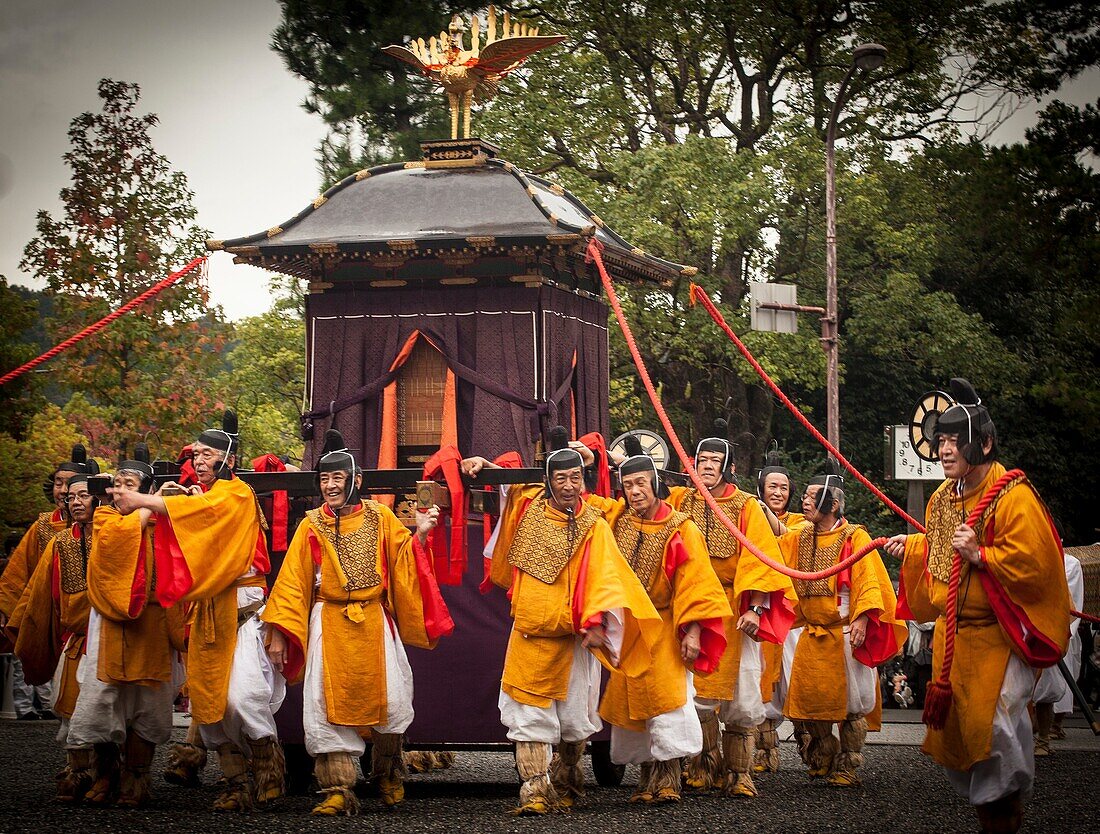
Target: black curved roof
[[414, 207]]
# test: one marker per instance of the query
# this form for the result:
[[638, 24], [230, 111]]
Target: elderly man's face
[[60, 487], [566, 486], [81, 503], [207, 462], [334, 487], [809, 504], [638, 490], [709, 467]]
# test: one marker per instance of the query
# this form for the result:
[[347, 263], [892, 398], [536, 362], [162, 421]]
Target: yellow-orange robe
[[577, 587], [383, 575], [771, 654], [671, 562], [137, 635], [205, 548], [818, 689], [1018, 601], [740, 573], [51, 618], [24, 559]]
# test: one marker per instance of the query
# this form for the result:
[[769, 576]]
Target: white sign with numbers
[[903, 464]]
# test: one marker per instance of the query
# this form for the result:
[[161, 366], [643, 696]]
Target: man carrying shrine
[[50, 625], [774, 487], [354, 588], [653, 717], [131, 674], [575, 603], [848, 629], [760, 601], [210, 551]]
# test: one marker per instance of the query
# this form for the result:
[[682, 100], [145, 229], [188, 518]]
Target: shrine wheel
[[652, 444]]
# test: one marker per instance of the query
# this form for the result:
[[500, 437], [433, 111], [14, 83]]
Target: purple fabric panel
[[458, 682], [349, 352], [570, 323]]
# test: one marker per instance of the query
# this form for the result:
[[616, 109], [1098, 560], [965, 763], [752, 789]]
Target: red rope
[[735, 531], [698, 293], [939, 695], [103, 322], [1081, 615]]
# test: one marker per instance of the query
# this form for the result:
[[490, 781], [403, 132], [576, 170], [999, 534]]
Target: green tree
[[696, 130], [127, 220], [28, 462], [375, 110], [17, 398], [266, 379]]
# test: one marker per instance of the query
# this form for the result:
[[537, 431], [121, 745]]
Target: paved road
[[902, 792]]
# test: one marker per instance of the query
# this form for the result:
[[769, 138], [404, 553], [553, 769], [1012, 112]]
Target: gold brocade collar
[[947, 510], [356, 549], [44, 531], [642, 541], [546, 539], [817, 552], [72, 560], [720, 542]]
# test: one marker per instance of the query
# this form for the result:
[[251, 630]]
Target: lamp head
[[869, 56]]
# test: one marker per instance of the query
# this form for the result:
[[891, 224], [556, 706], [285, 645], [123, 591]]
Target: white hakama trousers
[[1064, 705], [59, 673], [774, 708], [106, 711], [670, 735], [745, 707], [325, 737], [1011, 763], [862, 682], [256, 690], [571, 720]]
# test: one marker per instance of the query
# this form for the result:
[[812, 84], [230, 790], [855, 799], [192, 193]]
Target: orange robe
[[24, 559], [818, 689], [577, 587], [771, 654], [137, 636], [676, 573], [391, 582], [740, 573], [206, 547], [1018, 601], [51, 619]]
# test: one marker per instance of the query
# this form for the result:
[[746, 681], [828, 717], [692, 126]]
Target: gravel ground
[[902, 792]]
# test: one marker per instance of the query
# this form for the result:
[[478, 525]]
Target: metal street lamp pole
[[868, 56]]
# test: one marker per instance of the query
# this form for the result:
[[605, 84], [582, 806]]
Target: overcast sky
[[230, 114]]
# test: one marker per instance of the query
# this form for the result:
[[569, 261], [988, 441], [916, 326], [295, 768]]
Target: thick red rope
[[735, 531], [92, 329], [938, 697], [699, 294]]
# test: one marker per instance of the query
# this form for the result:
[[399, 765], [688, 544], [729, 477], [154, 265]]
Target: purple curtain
[[492, 337]]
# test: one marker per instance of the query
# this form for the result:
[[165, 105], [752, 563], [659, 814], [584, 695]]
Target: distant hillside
[[35, 335]]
